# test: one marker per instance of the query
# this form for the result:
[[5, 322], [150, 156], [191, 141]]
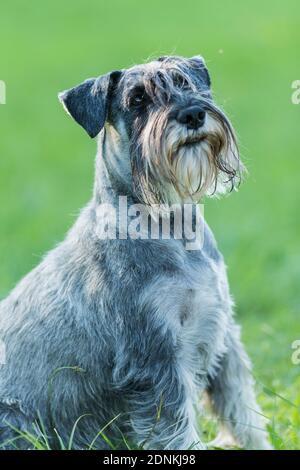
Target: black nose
[[192, 117]]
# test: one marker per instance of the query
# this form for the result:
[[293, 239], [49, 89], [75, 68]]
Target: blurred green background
[[46, 161]]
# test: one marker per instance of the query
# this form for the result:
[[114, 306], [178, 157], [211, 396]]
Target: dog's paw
[[223, 441]]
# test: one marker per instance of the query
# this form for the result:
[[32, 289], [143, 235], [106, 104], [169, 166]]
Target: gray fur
[[126, 329]]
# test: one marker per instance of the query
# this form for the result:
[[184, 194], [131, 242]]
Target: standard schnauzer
[[124, 334]]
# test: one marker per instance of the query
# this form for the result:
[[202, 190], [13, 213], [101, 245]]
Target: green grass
[[46, 162]]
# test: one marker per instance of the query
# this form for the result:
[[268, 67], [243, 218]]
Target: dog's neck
[[113, 172]]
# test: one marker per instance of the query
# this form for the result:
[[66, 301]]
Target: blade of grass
[[102, 430], [74, 429]]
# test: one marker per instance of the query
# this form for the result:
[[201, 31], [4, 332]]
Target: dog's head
[[164, 135]]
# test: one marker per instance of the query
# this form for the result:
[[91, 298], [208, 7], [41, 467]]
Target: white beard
[[194, 164]]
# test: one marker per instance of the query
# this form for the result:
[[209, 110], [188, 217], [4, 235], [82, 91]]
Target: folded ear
[[87, 103], [198, 64]]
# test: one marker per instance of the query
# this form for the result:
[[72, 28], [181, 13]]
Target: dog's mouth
[[192, 141]]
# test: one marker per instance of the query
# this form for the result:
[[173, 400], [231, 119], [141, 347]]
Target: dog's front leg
[[232, 393], [162, 417]]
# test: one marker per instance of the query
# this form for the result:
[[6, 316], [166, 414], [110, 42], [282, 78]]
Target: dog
[[125, 334]]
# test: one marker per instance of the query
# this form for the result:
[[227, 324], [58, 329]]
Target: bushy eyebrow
[[161, 83]]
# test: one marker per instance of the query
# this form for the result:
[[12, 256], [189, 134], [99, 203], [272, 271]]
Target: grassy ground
[[46, 162]]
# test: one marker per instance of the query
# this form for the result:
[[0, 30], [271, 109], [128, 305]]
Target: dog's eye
[[180, 82], [138, 98]]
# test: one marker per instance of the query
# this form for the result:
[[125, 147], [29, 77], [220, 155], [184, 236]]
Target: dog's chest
[[192, 303]]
